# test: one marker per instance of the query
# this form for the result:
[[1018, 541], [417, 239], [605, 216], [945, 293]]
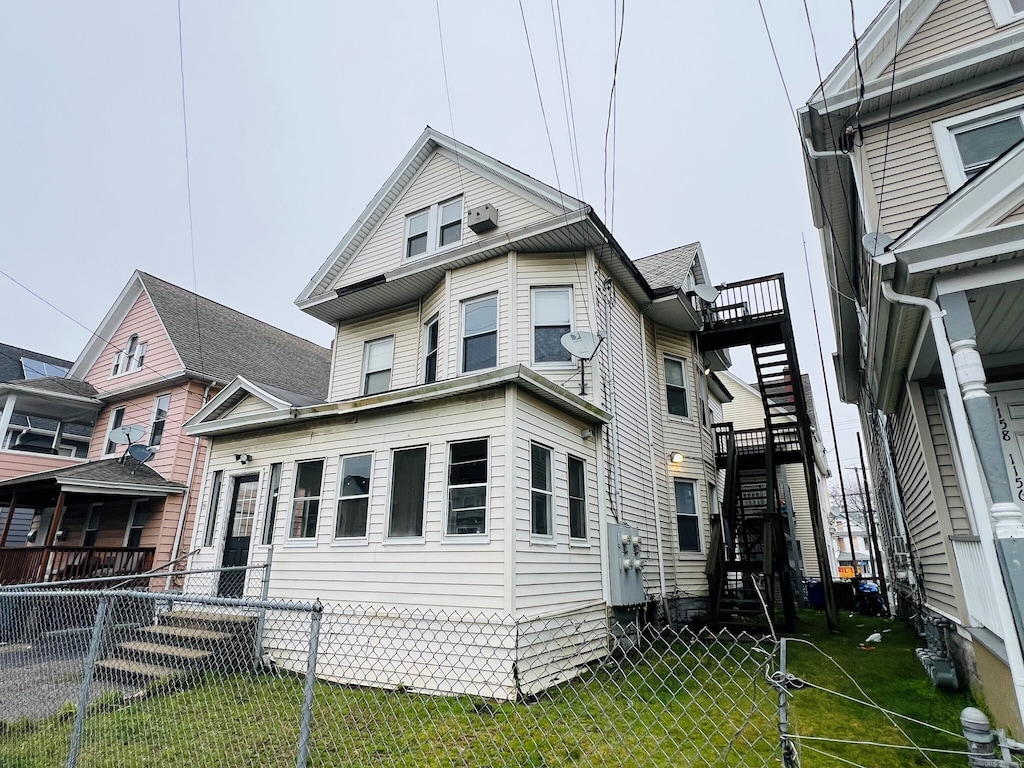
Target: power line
[[888, 120], [448, 96], [188, 191], [613, 113], [540, 98]]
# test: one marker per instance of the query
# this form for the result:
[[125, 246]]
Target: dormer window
[[433, 228], [968, 144], [131, 358]]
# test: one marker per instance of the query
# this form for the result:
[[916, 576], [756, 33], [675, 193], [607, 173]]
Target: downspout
[[972, 475], [823, 155], [654, 464], [176, 546], [609, 291]]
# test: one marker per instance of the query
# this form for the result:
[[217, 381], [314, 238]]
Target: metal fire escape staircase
[[750, 565]]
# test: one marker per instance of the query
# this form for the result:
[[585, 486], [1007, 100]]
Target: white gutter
[[179, 530], [974, 481], [823, 155], [654, 460]]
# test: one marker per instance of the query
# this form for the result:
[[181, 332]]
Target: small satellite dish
[[707, 292], [581, 344], [127, 434], [141, 453], [875, 243]]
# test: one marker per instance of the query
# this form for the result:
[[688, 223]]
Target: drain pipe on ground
[[972, 475]]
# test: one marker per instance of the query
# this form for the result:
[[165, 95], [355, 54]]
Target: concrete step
[[134, 670], [174, 654], [220, 620], [191, 635]]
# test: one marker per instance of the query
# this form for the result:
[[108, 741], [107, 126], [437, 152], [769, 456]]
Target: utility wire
[[613, 113], [888, 120], [852, 742], [828, 754], [448, 96], [188, 192]]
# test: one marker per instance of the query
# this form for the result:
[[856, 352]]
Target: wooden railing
[[746, 301], [752, 441], [25, 565]]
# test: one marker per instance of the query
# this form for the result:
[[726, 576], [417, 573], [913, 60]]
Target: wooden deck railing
[[25, 565], [747, 301]]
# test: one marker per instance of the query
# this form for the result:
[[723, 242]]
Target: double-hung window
[[480, 334], [430, 331], [92, 525], [467, 487], [675, 387], [131, 358], [968, 144], [377, 361], [552, 312], [211, 517], [577, 498], [136, 523], [116, 419], [309, 477], [541, 503], [431, 229], [273, 494], [156, 430], [687, 524], [1006, 11], [408, 488], [353, 496]]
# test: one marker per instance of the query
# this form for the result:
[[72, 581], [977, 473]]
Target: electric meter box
[[625, 566]]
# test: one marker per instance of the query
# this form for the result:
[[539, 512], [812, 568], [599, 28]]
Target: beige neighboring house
[[746, 412], [927, 151]]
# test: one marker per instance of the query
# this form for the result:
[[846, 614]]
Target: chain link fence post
[[789, 756], [262, 621], [83, 695], [310, 682]]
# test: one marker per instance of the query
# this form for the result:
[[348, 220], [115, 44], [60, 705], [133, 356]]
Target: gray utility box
[[482, 219], [625, 565]]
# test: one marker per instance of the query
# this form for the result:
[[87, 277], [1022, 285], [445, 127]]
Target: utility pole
[[876, 553]]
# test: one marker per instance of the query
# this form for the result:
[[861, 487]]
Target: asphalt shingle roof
[[10, 361], [231, 343], [103, 471], [668, 268]]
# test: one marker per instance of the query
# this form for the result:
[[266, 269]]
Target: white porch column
[[5, 417]]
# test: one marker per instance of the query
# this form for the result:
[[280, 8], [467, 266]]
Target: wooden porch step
[[176, 652], [188, 633], [134, 669]]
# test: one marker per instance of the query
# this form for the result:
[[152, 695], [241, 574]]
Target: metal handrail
[[148, 575]]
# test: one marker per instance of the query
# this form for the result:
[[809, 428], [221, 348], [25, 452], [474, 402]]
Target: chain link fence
[[139, 678]]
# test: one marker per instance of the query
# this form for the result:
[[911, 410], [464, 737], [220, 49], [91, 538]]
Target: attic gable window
[[431, 229], [131, 358], [968, 144]]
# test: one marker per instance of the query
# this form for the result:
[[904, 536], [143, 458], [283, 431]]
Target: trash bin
[[815, 593]]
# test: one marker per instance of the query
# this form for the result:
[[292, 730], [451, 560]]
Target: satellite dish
[[581, 344], [141, 453], [707, 292], [127, 434], [875, 243]]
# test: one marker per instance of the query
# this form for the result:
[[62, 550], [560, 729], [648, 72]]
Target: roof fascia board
[[111, 488], [749, 389], [18, 389], [1001, 273], [890, 52], [238, 383], [964, 248], [175, 379], [868, 41], [115, 316]]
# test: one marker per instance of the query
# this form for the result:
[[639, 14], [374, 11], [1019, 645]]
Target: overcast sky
[[298, 112]]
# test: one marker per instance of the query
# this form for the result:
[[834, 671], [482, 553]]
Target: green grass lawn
[[673, 709], [892, 677]]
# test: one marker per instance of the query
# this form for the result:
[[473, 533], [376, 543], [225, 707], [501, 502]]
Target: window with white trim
[[116, 418], [675, 387], [131, 358], [552, 319], [541, 502], [408, 489], [156, 429], [92, 525], [431, 229], [577, 498], [969, 143], [211, 518], [273, 494], [687, 523], [1006, 11], [430, 339], [467, 488], [309, 476], [137, 523], [480, 333], [378, 358], [353, 496]]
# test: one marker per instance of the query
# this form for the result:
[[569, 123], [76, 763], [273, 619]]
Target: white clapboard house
[[465, 461]]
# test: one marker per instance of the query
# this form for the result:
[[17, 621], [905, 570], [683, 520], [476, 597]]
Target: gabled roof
[[240, 388], [106, 475], [668, 269], [10, 361], [429, 141], [216, 342]]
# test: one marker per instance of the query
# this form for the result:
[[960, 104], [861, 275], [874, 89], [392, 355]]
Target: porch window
[[430, 334], [467, 487], [137, 522], [156, 430], [552, 319], [92, 525], [675, 387], [408, 488], [354, 496], [211, 518], [540, 491], [377, 361], [577, 498], [273, 494], [115, 421], [480, 334], [309, 477], [687, 524]]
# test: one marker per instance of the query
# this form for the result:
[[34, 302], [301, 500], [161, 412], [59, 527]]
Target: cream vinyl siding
[[403, 324], [914, 181], [924, 508], [488, 277], [434, 303], [551, 272], [250, 404], [439, 180], [954, 25], [556, 575], [433, 572], [1014, 217], [161, 357], [943, 449]]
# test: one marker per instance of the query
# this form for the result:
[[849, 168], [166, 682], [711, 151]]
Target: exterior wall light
[[676, 457]]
